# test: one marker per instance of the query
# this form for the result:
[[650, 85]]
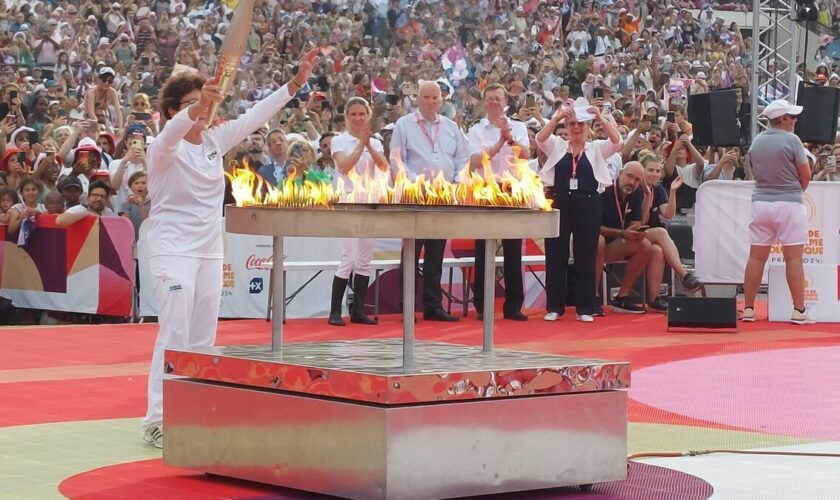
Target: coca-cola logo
[[258, 263]]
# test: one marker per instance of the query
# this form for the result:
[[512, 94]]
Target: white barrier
[[247, 264], [822, 297], [721, 229], [722, 245]]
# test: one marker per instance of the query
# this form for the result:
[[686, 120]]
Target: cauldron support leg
[[278, 304], [409, 270], [489, 292]]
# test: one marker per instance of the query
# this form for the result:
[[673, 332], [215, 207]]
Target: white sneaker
[[585, 318], [552, 316], [800, 318], [748, 315], [154, 435]]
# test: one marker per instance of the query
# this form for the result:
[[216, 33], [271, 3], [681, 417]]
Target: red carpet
[[52, 383], [82, 372]]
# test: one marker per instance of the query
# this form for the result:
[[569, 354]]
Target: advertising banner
[[721, 229], [87, 267]]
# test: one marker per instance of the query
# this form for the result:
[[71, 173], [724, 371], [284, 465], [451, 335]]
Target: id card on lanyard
[[573, 182], [432, 139]]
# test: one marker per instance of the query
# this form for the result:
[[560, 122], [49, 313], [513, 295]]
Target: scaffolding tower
[[774, 56]]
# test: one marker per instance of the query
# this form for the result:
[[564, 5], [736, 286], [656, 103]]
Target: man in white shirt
[[581, 34], [97, 198], [602, 41], [502, 141], [425, 143]]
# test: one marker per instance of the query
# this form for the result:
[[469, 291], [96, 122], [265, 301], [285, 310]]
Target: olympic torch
[[233, 46]]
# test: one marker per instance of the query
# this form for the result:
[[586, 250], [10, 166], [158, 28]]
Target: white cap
[[582, 113], [780, 107], [18, 132], [106, 70]]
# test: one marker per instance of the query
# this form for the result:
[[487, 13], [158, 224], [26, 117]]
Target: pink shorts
[[785, 222]]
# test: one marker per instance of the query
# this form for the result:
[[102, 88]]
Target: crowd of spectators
[[79, 80]]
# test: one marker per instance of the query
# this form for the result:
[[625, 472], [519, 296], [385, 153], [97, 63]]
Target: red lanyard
[[618, 205], [575, 162], [432, 140]]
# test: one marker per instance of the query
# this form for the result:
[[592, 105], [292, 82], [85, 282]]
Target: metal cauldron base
[[346, 419]]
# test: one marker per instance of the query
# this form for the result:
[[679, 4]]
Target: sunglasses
[[107, 79]]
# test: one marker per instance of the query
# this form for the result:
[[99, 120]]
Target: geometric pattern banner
[[87, 267]]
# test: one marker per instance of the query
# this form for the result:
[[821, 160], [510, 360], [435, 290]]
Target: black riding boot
[[357, 314], [338, 286]]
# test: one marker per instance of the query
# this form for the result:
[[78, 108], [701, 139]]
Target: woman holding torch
[[184, 244]]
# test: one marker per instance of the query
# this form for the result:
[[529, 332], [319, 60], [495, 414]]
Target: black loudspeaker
[[705, 313], [713, 117], [818, 121]]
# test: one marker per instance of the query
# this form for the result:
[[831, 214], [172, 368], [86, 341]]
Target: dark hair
[[30, 180], [176, 88], [99, 184], [7, 191], [136, 175]]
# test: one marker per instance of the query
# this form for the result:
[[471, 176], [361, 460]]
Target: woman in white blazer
[[574, 175]]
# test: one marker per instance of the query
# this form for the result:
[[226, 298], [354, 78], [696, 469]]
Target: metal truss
[[774, 55]]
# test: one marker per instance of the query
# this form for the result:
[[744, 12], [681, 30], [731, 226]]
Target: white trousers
[[356, 254], [188, 293]]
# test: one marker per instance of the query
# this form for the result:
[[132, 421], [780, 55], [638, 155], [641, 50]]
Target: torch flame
[[517, 187]]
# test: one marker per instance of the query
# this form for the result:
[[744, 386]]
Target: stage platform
[[347, 418]]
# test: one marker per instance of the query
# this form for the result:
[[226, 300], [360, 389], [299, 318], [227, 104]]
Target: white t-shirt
[[689, 174], [584, 38], [79, 209], [122, 190], [365, 167], [20, 207], [186, 181]]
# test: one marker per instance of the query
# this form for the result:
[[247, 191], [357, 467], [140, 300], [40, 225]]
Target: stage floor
[[73, 395]]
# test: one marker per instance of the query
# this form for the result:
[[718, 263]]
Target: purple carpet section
[[644, 482]]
